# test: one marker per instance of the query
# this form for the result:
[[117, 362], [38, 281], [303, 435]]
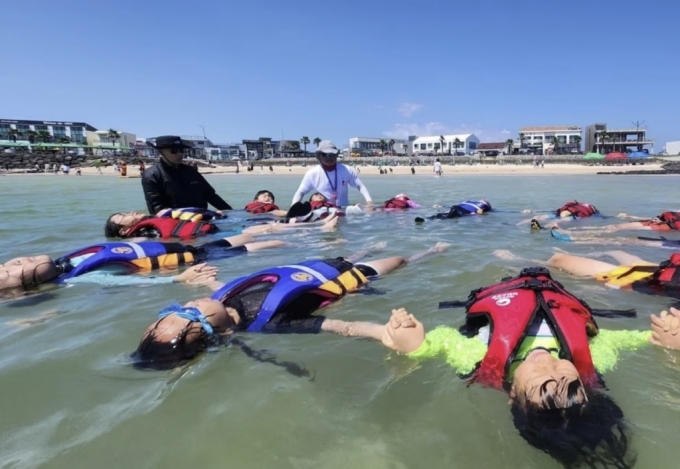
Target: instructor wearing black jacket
[[171, 184]]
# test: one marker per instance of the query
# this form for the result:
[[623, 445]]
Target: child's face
[[265, 198]]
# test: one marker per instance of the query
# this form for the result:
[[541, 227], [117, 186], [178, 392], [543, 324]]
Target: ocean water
[[70, 399]]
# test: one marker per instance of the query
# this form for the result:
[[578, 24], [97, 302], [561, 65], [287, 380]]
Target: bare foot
[[440, 247], [507, 255], [331, 225]]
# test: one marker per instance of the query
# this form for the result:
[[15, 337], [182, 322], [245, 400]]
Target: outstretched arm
[[390, 264]]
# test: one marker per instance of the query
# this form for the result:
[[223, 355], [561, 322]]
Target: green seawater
[[70, 399]]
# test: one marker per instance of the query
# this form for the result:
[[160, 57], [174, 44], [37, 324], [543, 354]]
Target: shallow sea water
[[69, 398]]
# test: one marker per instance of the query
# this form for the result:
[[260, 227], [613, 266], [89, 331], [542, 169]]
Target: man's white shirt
[[318, 180]]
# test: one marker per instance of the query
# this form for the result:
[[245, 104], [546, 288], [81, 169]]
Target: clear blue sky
[[337, 69]]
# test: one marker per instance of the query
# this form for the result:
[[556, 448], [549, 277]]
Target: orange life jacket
[[672, 219]]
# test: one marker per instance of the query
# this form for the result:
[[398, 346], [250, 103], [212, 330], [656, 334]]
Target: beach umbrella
[[638, 154], [593, 156], [615, 156]]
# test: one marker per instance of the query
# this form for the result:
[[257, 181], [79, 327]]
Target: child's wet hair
[[111, 229], [575, 432], [259, 193], [187, 344]]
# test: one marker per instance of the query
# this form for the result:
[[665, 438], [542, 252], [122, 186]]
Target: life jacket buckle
[[534, 272], [535, 284]]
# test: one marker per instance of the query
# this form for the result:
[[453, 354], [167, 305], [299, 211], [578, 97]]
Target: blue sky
[[247, 69]]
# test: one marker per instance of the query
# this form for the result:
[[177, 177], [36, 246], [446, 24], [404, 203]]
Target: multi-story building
[[551, 139], [599, 139], [366, 146], [226, 151], [445, 144], [258, 149], [673, 148], [31, 131], [104, 139]]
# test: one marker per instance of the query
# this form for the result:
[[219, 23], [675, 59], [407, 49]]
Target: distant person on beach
[[55, 168], [171, 184], [413, 169], [331, 178], [437, 167], [78, 172], [65, 169], [141, 167]]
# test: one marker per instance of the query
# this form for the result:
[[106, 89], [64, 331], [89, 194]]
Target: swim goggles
[[190, 313]]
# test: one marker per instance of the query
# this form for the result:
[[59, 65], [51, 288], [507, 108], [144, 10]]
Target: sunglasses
[[327, 155], [176, 149]]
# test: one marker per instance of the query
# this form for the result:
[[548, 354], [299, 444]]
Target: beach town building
[[599, 139], [368, 146], [103, 139], [31, 131], [493, 148], [673, 148], [445, 144], [551, 139]]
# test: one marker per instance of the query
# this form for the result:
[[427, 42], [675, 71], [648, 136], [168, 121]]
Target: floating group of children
[[527, 335]]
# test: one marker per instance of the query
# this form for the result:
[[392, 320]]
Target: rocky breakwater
[[672, 167], [28, 161]]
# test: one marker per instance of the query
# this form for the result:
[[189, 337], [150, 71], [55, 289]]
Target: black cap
[[169, 141]]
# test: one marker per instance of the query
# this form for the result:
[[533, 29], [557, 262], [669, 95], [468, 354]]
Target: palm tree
[[441, 142], [510, 144], [521, 140], [12, 134], [32, 136], [391, 142], [317, 140], [436, 147], [457, 144], [382, 145], [577, 141], [556, 144], [294, 145], [305, 141], [44, 135], [604, 136], [113, 135], [64, 140]]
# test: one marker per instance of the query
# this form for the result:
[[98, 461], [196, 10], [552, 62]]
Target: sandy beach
[[448, 170]]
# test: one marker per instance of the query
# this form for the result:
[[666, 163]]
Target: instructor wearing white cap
[[330, 178]]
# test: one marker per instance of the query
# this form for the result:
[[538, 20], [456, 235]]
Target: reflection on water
[[69, 398]]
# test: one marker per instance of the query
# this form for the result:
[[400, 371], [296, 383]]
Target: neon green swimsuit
[[464, 353]]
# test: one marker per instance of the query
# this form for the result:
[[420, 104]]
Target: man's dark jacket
[[168, 186]]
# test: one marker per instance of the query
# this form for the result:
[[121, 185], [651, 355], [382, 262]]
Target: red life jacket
[[672, 219], [577, 209], [511, 307], [400, 203], [317, 204], [667, 275], [260, 207], [173, 228]]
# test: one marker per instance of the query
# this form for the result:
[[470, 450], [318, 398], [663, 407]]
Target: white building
[[29, 131], [102, 138], [445, 144], [367, 145], [673, 148], [543, 138]]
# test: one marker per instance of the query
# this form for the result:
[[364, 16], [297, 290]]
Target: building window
[[39, 128], [77, 135], [23, 129], [472, 145], [4, 131], [58, 131]]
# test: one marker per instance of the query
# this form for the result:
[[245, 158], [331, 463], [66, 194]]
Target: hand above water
[[403, 332], [666, 329], [198, 274]]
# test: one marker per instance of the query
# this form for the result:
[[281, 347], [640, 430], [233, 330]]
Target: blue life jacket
[[473, 206], [127, 254], [292, 280]]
